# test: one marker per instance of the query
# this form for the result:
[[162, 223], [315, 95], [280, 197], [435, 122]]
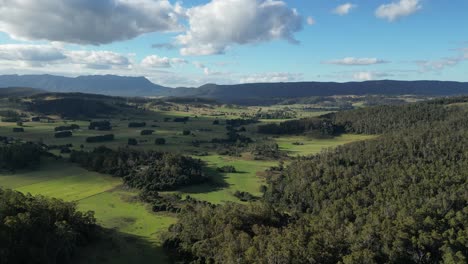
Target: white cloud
[[344, 9], [87, 21], [271, 77], [30, 53], [161, 62], [351, 61], [310, 21], [97, 59], [368, 76], [215, 26], [437, 65], [395, 10]]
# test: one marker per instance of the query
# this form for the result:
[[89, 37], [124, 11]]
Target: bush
[[69, 127], [100, 125], [18, 129], [245, 196], [181, 119], [103, 138], [137, 124], [186, 132], [160, 141], [132, 142], [63, 134], [227, 169], [146, 132]]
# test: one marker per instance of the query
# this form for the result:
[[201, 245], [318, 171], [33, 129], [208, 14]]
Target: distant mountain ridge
[[258, 91], [237, 93], [96, 84]]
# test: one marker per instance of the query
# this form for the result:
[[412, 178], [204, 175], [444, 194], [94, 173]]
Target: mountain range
[[237, 93]]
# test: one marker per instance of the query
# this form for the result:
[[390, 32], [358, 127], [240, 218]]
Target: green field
[[134, 229], [311, 146]]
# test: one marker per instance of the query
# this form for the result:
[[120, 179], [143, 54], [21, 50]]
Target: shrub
[[100, 125], [137, 124], [227, 169], [18, 129], [186, 132], [160, 141], [132, 142], [63, 134], [69, 127], [146, 132], [103, 138]]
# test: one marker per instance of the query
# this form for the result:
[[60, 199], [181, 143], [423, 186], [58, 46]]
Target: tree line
[[151, 171], [400, 198], [35, 229]]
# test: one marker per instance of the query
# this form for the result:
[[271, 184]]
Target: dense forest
[[34, 229], [150, 171], [400, 198], [18, 155]]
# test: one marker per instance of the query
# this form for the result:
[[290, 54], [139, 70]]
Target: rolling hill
[[96, 84]]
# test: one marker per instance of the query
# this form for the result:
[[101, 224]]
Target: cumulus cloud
[[344, 9], [368, 75], [310, 21], [40, 55], [97, 59], [87, 21], [155, 61], [271, 77], [215, 26], [351, 61], [395, 10], [30, 53]]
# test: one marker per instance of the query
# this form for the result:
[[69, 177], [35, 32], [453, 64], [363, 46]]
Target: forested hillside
[[35, 229], [399, 198]]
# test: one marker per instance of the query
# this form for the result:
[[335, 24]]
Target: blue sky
[[189, 43]]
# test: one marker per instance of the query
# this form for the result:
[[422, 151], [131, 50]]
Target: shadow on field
[[116, 247], [216, 182]]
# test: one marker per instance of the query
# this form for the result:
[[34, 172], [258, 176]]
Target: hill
[[96, 84], [19, 91], [254, 93]]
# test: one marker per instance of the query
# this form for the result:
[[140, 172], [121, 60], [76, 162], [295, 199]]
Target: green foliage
[[34, 229], [63, 134], [245, 196], [132, 142], [146, 132], [103, 138], [19, 156], [321, 126], [137, 124], [153, 171], [18, 129], [67, 127], [400, 198], [100, 125], [385, 118], [160, 141], [71, 107], [227, 169]]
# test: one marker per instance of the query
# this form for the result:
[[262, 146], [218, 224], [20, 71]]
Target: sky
[[190, 43]]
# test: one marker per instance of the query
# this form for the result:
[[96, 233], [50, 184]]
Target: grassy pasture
[[135, 229], [313, 146]]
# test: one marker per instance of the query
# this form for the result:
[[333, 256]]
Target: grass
[[137, 228], [225, 184], [313, 146], [134, 235]]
